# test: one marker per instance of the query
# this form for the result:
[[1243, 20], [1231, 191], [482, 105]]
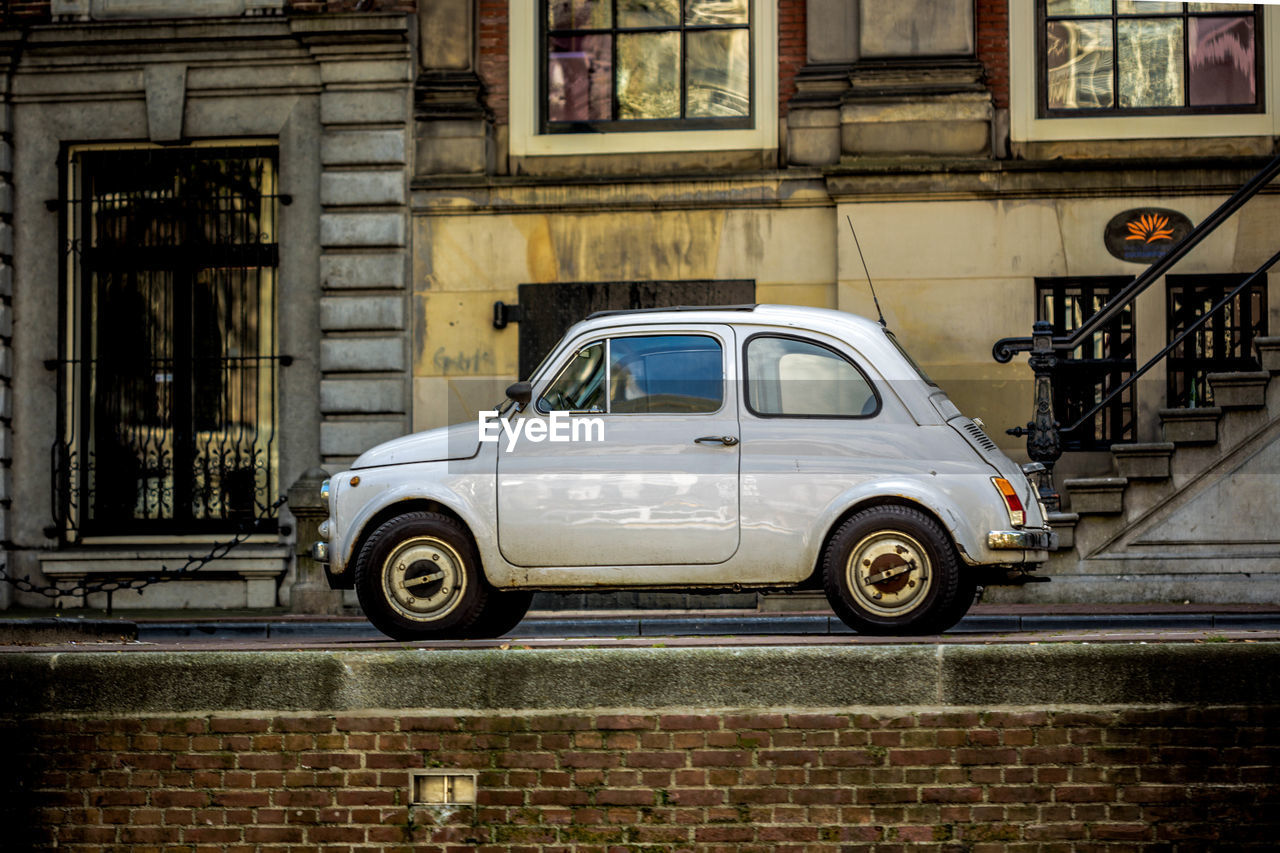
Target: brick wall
[[993, 47], [849, 780], [791, 49], [492, 35]]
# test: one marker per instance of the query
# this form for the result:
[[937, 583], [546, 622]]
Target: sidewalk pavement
[[39, 627]]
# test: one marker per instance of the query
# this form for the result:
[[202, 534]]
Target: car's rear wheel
[[893, 570], [418, 578]]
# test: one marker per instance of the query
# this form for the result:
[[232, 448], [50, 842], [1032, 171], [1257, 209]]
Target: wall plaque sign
[[1145, 234]]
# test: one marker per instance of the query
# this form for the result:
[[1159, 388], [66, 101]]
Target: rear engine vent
[[979, 436]]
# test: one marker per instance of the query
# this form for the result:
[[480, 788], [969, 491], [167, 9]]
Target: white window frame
[[1026, 126], [526, 141]]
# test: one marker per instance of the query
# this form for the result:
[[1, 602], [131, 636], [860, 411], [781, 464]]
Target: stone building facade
[[228, 184], [457, 180]]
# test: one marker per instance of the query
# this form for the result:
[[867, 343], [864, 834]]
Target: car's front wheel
[[893, 570], [418, 578], [503, 611]]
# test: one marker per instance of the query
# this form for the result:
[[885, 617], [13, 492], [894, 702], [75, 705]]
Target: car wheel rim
[[889, 573], [423, 579]]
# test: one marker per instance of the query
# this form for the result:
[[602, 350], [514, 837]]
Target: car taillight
[[1017, 515]]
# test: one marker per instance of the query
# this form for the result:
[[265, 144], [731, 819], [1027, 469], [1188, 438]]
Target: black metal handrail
[[1043, 432], [1004, 349]]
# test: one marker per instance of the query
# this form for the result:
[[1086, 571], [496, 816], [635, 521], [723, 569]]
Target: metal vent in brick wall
[[443, 789]]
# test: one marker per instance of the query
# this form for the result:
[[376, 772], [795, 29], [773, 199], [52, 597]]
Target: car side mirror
[[521, 392]]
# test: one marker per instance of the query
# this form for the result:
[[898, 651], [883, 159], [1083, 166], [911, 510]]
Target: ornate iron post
[[310, 593], [1044, 442]]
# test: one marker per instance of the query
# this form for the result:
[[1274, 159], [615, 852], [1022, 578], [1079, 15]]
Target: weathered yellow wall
[[953, 276], [464, 263]]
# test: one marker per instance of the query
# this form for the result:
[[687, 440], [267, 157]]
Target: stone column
[[454, 128], [813, 118], [916, 89], [364, 230], [310, 592]]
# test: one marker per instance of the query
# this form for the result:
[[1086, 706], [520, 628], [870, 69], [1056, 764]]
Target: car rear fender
[[943, 505]]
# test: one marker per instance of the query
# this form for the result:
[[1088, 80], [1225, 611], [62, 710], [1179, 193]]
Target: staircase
[[1195, 517]]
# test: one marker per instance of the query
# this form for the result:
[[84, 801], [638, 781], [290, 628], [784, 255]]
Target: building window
[[1134, 57], [1222, 345], [1087, 374], [623, 77], [646, 64], [169, 375]]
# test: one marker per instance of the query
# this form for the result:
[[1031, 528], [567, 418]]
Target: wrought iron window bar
[[168, 377]]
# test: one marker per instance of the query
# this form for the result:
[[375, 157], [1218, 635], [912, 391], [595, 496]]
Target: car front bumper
[[1022, 540]]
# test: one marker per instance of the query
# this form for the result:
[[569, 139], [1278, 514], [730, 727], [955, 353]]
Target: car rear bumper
[[1022, 540]]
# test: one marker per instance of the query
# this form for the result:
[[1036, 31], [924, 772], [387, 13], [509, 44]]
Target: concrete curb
[[953, 675], [38, 632], [25, 632], [717, 625]]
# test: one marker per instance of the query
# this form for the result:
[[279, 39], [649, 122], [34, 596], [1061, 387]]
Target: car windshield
[[911, 361]]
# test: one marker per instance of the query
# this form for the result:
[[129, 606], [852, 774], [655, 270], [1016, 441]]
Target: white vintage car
[[761, 447]]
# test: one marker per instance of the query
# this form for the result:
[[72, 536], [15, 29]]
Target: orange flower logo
[[1150, 227]]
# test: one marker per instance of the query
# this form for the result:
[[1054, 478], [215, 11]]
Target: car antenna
[[865, 270]]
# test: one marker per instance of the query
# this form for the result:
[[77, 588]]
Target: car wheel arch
[[401, 507], [815, 577]]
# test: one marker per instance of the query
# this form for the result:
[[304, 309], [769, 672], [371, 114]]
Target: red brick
[[918, 757], [676, 722], [951, 795], [624, 721]]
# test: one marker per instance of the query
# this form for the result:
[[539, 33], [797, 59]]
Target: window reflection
[[1099, 55], [649, 76], [719, 73], [1150, 63], [1223, 66], [612, 62], [1080, 58]]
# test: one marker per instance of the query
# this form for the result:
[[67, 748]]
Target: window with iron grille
[[168, 381], [1087, 374], [646, 65], [1222, 345], [1139, 57]]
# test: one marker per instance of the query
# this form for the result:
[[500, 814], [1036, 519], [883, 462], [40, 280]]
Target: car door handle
[[726, 440]]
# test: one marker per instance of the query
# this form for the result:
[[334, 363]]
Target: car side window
[[788, 377], [671, 374], [657, 374], [581, 384]]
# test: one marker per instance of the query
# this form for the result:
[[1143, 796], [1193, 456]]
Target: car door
[[646, 471]]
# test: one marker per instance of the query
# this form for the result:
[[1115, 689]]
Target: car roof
[[840, 323]]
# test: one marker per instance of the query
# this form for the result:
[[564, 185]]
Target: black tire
[[418, 578], [502, 612], [892, 570]]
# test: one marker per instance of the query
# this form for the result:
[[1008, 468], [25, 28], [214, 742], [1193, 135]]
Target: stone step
[[1268, 350], [1064, 524], [1190, 426], [1143, 461], [1239, 390], [1096, 495]]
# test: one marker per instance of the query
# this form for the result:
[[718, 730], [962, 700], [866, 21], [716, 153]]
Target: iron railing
[[1043, 432]]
